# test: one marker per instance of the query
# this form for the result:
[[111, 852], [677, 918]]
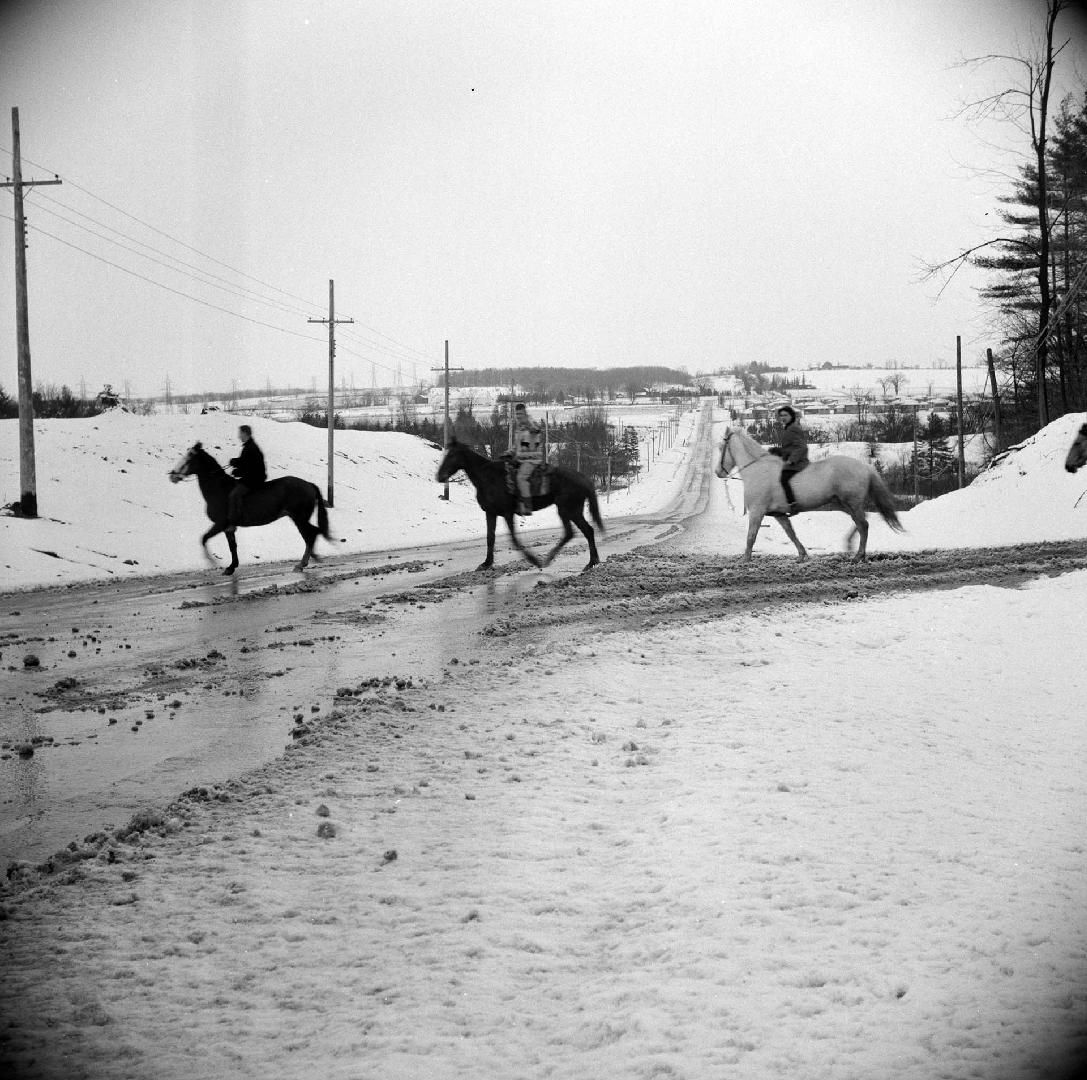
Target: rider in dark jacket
[[249, 472], [794, 452]]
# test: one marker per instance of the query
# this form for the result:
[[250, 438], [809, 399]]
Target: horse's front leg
[[790, 532], [233, 544], [754, 522], [492, 521], [531, 556], [213, 531]]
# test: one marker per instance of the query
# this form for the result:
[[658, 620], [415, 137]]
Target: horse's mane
[[455, 444], [749, 441], [198, 448]]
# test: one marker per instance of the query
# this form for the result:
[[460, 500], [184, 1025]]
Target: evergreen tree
[[933, 460]]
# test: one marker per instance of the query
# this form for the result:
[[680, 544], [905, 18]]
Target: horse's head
[[738, 450], [1077, 455], [453, 460], [192, 464], [726, 462]]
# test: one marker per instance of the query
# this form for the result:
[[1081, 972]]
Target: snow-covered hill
[[107, 510]]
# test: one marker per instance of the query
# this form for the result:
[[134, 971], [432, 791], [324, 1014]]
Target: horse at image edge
[[1077, 452], [835, 483]]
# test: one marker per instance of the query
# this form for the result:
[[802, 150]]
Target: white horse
[[835, 483]]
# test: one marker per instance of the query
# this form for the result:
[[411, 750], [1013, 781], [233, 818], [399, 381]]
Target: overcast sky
[[554, 182]]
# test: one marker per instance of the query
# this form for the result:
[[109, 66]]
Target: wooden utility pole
[[28, 494], [958, 385], [332, 321], [996, 400], [445, 441]]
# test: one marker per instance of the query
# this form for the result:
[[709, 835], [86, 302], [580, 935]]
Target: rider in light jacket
[[528, 452]]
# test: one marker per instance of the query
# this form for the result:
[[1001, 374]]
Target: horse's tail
[[594, 510], [322, 513], [881, 495]]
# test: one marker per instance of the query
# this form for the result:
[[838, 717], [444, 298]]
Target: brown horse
[[569, 492], [286, 496], [836, 483], [1077, 453]]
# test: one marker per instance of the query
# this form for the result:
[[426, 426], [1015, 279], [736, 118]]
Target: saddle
[[539, 480]]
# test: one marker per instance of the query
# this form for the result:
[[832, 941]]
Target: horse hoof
[[228, 571]]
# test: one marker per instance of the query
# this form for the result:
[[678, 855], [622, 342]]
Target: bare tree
[[862, 397], [891, 384], [1026, 105]]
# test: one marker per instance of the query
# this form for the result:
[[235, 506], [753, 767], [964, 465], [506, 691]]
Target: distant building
[[478, 397]]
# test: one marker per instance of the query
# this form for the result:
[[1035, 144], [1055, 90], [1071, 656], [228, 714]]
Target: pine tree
[[933, 459]]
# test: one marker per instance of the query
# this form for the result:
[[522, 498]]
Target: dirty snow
[[837, 842]]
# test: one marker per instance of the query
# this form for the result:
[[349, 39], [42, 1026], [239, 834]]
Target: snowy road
[[681, 817], [147, 687]]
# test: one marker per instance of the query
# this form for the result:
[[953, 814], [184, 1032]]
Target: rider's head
[[519, 411], [245, 433], [787, 415]]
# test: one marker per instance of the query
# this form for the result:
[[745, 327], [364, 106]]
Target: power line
[[167, 288], [234, 270], [198, 275]]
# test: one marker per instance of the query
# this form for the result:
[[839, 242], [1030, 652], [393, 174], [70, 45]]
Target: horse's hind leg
[[567, 535], [309, 534], [860, 527], [590, 536], [790, 532]]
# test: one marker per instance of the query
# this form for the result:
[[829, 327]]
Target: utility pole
[[445, 441], [509, 410], [958, 384], [28, 494], [916, 489], [332, 321], [996, 399]]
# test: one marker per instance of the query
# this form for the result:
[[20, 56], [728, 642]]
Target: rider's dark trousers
[[234, 503], [786, 476]]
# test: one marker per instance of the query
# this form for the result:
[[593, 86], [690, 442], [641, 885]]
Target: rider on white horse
[[794, 452]]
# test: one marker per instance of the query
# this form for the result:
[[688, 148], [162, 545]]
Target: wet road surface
[[145, 688]]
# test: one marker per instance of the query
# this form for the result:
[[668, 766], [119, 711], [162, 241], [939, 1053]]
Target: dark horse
[[569, 492], [1077, 452], [286, 496]]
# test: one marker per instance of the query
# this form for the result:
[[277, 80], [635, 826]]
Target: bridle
[[736, 466]]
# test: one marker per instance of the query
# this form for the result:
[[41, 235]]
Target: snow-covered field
[[939, 381], [834, 842]]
